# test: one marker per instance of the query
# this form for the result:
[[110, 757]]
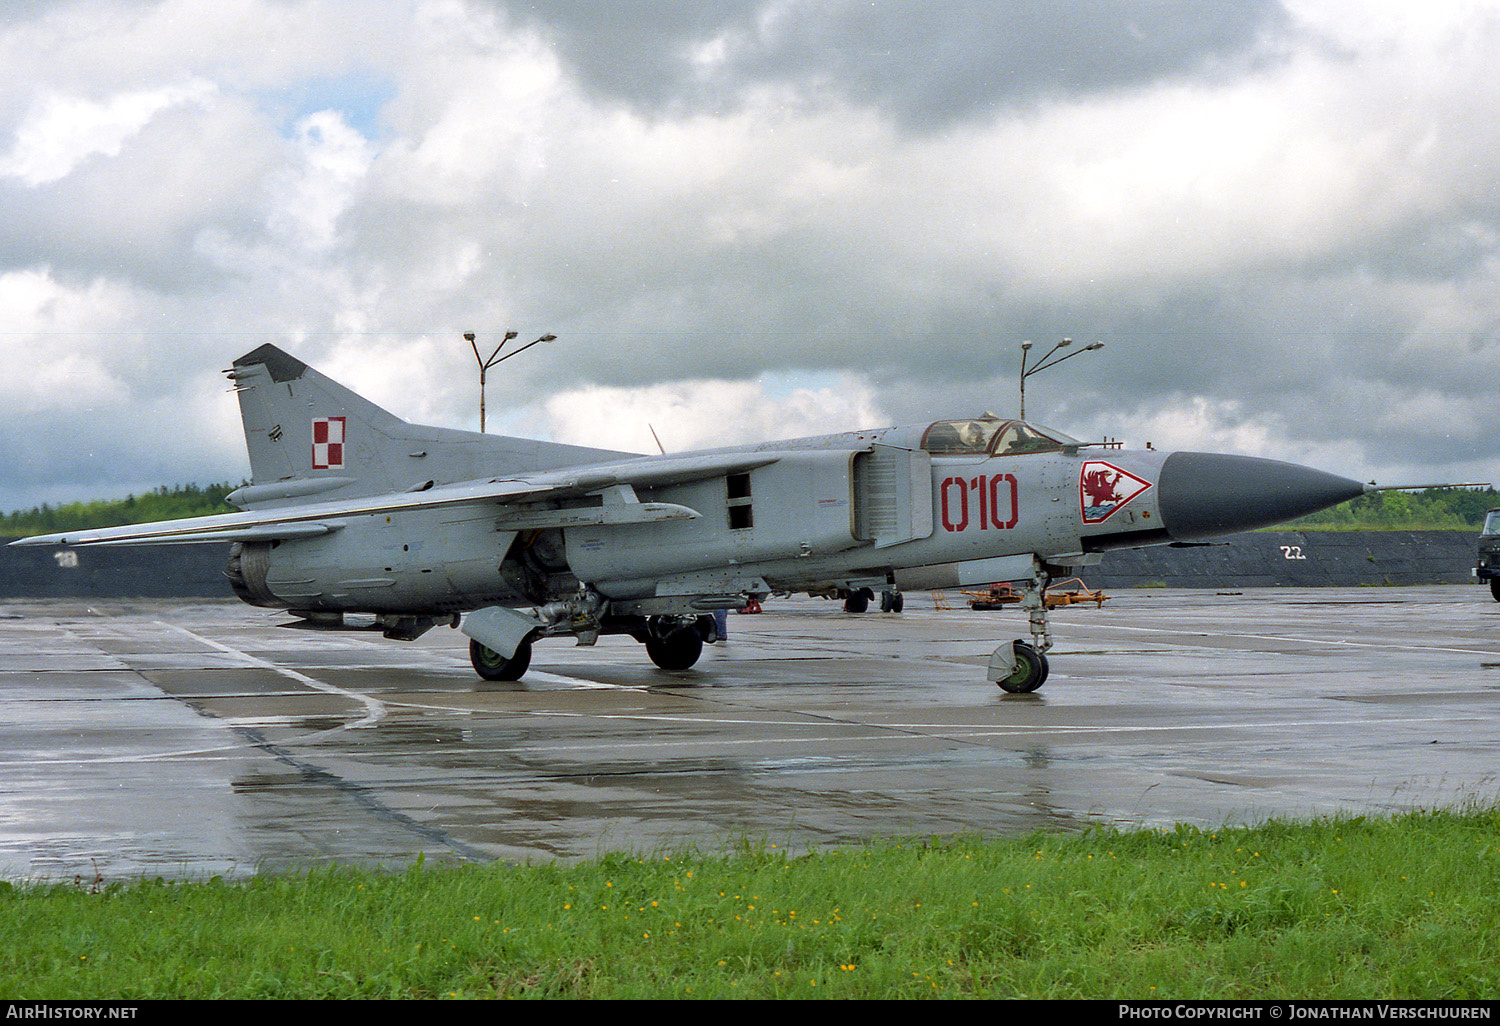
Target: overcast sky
[[752, 218]]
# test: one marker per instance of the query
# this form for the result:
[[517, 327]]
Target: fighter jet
[[352, 510]]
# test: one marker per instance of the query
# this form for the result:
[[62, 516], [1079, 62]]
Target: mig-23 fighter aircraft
[[352, 510]]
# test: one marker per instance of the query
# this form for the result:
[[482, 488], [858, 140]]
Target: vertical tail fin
[[309, 435], [306, 433]]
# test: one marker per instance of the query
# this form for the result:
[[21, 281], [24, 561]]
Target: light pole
[[1044, 363], [494, 358]]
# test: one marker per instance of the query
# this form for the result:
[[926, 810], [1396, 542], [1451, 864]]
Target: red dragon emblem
[[1103, 488]]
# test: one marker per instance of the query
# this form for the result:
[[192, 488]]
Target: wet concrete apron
[[185, 740]]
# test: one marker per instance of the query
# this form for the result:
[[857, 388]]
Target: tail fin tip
[[281, 366]]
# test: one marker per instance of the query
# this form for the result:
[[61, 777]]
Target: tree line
[[1432, 509], [162, 503]]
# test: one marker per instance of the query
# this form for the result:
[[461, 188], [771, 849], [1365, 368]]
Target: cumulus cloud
[[64, 131], [956, 61]]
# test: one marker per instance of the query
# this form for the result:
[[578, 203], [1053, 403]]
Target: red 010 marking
[[998, 502]]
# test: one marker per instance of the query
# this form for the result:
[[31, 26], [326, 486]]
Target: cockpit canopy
[[991, 436]]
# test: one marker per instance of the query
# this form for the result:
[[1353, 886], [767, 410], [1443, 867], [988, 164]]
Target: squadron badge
[[1103, 488]]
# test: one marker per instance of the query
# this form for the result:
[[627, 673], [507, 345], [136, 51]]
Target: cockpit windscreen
[[989, 436]]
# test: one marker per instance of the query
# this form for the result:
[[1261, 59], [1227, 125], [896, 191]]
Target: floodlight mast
[[494, 358], [1043, 363]]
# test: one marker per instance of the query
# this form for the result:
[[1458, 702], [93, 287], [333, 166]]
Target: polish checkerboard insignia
[[328, 443]]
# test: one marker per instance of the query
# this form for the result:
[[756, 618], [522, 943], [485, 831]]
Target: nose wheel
[[1030, 670]]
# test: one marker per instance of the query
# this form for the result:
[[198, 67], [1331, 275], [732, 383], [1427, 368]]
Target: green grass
[[1407, 907]]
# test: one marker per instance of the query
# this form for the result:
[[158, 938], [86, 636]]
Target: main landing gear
[[858, 601], [672, 643], [492, 665], [1018, 667], [674, 646]]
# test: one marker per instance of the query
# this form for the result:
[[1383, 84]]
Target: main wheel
[[677, 651], [1030, 672], [491, 665], [857, 601], [1495, 588]]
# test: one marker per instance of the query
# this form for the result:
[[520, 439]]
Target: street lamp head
[[1052, 359], [468, 336], [547, 338], [510, 335]]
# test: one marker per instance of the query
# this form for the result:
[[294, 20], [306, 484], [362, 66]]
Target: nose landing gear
[[1018, 667]]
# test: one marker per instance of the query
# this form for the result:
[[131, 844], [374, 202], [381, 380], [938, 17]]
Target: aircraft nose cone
[[1206, 494]]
